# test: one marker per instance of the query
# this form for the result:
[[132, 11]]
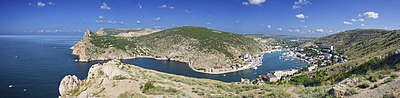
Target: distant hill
[[362, 42], [126, 32], [200, 47]]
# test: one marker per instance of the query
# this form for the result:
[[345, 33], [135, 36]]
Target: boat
[[255, 67], [10, 86]]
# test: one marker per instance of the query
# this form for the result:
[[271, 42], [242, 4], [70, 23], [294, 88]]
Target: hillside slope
[[362, 42], [374, 60], [202, 48], [115, 79]]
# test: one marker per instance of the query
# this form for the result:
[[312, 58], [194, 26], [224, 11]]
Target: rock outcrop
[[86, 51], [69, 84]]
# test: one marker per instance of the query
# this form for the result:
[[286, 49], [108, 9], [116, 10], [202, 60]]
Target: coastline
[[256, 63]]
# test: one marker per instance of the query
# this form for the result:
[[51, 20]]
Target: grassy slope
[[362, 46], [208, 40], [171, 86], [198, 38]]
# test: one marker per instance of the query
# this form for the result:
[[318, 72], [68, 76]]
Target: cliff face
[[86, 51]]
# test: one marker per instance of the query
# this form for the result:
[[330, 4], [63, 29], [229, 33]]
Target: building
[[277, 75], [269, 77], [329, 48], [312, 67], [245, 57]]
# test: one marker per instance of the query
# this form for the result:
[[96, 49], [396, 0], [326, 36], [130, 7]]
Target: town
[[318, 55]]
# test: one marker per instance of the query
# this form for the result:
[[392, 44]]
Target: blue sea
[[37, 63]]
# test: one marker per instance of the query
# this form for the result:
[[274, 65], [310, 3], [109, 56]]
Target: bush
[[119, 77], [388, 80], [351, 91], [372, 78], [364, 84], [376, 85], [397, 66], [147, 86], [394, 75]]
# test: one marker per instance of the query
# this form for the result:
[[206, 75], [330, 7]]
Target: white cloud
[[357, 20], [297, 30], [157, 19], [140, 6], [269, 26], [163, 6], [279, 29], [208, 23], [105, 6], [300, 4], [302, 20], [245, 3], [139, 22], [187, 11], [100, 17], [166, 6], [319, 30], [99, 21], [253, 2], [41, 4], [372, 15], [256, 2], [300, 16], [348, 23], [50, 3], [362, 24]]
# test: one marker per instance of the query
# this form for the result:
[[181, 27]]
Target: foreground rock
[[115, 79]]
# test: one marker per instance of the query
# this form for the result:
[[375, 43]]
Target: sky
[[279, 17]]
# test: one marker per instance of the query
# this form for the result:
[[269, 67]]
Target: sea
[[32, 66]]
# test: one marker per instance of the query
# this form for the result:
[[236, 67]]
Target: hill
[[201, 48], [374, 60]]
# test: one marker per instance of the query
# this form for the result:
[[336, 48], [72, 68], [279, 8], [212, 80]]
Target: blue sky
[[284, 17]]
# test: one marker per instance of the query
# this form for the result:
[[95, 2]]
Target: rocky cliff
[[86, 51]]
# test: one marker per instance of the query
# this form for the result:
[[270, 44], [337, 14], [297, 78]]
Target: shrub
[[147, 86], [376, 85], [397, 66], [364, 84], [351, 91], [387, 80], [372, 78], [394, 75], [119, 77]]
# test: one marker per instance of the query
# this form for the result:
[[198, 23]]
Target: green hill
[[200, 47]]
